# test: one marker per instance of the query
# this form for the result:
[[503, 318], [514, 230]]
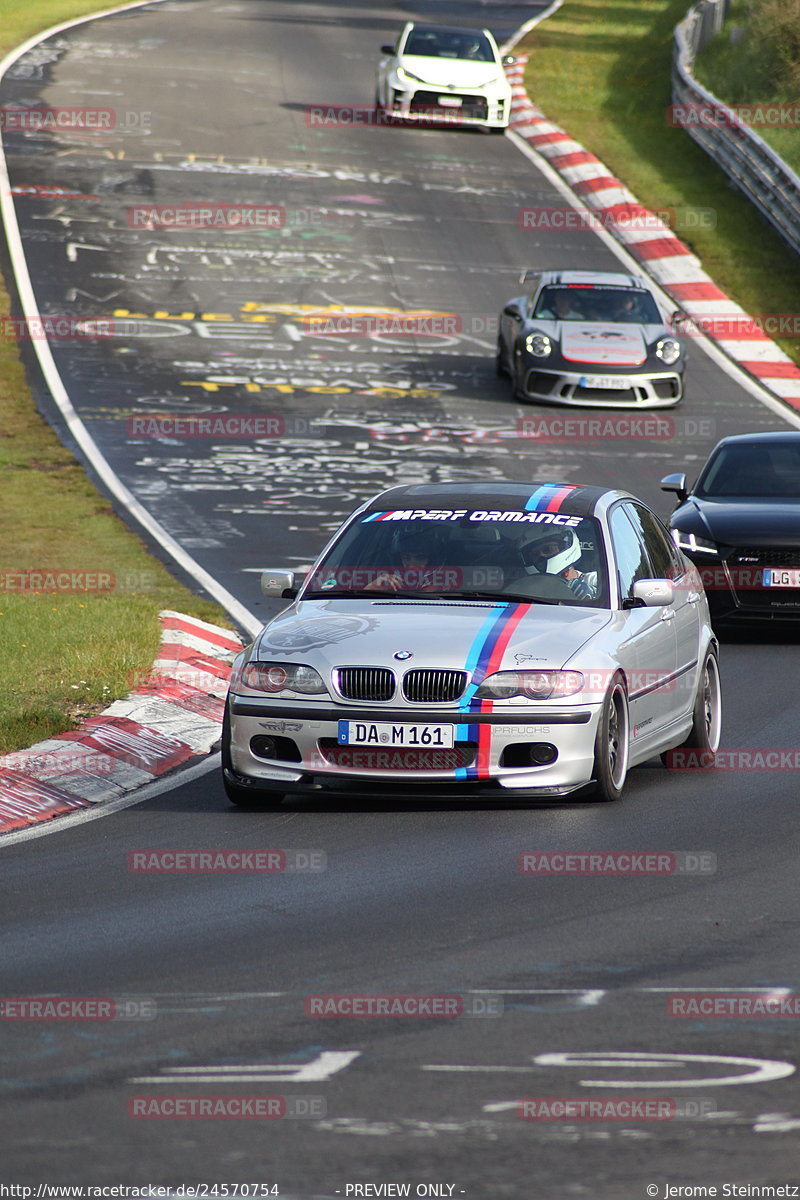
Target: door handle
[[693, 597], [668, 614]]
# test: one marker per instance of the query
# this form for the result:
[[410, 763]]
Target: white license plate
[[781, 577], [369, 733], [449, 101], [614, 383]]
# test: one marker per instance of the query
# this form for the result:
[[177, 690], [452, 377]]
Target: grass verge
[[759, 68], [603, 73], [65, 654]]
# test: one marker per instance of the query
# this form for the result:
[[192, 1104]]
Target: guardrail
[[763, 176]]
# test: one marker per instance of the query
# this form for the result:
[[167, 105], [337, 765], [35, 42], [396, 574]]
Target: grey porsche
[[500, 640], [593, 339]]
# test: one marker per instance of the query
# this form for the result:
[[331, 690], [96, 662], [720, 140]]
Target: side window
[[629, 553], [663, 553], [533, 282]]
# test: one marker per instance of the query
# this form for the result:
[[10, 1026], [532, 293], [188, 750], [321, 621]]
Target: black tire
[[611, 744], [497, 130], [706, 717], [516, 384], [242, 797], [499, 362]]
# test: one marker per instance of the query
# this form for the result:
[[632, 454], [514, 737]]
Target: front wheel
[[499, 360], [611, 745]]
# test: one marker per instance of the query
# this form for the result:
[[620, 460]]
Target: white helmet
[[551, 551]]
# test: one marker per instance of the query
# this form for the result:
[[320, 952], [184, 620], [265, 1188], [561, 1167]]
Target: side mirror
[[508, 60], [387, 49], [654, 593], [279, 583], [512, 310], [679, 318], [675, 483]]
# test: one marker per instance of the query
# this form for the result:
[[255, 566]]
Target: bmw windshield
[[466, 554]]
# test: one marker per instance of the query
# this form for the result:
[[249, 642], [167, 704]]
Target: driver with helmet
[[554, 551], [416, 552]]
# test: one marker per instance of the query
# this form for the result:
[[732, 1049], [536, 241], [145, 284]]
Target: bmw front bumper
[[288, 748]]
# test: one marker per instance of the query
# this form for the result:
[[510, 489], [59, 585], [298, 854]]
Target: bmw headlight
[[280, 679], [691, 542], [533, 685], [668, 350], [539, 345]]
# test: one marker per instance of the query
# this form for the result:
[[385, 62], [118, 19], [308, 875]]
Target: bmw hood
[[612, 345], [745, 523], [468, 635], [451, 73]]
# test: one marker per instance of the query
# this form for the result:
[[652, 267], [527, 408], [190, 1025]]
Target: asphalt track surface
[[418, 898]]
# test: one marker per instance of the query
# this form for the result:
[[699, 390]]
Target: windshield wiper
[[363, 594], [496, 597]]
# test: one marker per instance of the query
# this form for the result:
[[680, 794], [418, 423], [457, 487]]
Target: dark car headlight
[[668, 350], [691, 542], [539, 345]]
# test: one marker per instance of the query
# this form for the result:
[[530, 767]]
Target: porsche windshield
[[761, 470], [466, 553], [614, 305], [465, 44]]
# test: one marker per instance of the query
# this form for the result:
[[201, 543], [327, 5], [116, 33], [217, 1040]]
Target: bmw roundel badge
[[403, 655]]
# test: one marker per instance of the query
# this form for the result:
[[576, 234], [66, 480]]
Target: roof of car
[[589, 278], [769, 435], [445, 28], [576, 499]]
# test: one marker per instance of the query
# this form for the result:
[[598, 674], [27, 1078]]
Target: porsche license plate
[[781, 577], [449, 101], [611, 383], [374, 733]]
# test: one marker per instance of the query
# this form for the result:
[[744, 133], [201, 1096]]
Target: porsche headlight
[[691, 542], [279, 679], [668, 350], [533, 685], [539, 345]]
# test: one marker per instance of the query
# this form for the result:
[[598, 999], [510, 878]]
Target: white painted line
[[55, 384], [65, 823]]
